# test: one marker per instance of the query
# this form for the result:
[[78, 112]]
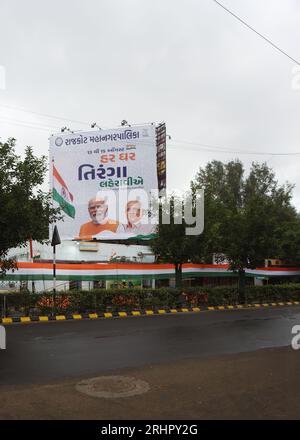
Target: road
[[59, 354]]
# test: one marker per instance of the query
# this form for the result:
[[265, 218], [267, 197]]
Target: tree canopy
[[248, 217], [26, 210], [253, 214], [172, 244]]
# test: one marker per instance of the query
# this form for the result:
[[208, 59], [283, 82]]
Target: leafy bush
[[99, 300]]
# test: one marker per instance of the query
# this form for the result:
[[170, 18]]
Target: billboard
[[102, 180]]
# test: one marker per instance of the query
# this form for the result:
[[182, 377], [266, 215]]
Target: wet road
[[45, 352]]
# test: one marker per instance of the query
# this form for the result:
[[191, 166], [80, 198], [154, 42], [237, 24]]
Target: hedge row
[[130, 299]]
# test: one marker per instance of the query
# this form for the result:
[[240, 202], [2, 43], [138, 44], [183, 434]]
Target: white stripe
[[59, 188], [145, 271]]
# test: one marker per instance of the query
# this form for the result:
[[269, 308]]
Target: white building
[[79, 252]]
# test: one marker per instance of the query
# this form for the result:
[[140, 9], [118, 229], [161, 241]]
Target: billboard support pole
[[54, 279], [55, 241]]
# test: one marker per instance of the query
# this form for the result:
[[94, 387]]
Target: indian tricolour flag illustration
[[62, 195]]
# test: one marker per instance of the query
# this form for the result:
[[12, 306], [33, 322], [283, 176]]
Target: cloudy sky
[[188, 63]]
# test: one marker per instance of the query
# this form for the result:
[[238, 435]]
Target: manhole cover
[[112, 387]]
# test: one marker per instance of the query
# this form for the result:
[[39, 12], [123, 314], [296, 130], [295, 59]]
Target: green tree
[[290, 240], [247, 218], [26, 210], [172, 244]]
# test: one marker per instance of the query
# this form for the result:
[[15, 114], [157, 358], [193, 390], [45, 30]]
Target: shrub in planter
[[129, 299]]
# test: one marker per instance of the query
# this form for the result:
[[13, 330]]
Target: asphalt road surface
[[52, 351], [171, 352]]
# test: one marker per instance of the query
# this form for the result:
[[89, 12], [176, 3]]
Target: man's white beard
[[101, 218]]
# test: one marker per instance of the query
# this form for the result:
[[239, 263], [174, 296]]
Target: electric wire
[[256, 32]]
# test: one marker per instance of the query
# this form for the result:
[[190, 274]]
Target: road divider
[[142, 312]]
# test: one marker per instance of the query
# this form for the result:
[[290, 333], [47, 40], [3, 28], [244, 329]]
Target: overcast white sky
[[187, 63]]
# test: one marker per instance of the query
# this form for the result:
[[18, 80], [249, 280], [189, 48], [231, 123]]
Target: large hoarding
[[102, 181]]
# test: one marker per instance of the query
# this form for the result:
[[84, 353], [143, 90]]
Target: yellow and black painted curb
[[124, 314]]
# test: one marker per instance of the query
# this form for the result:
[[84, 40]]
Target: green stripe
[[143, 237], [145, 276], [65, 206], [16, 277]]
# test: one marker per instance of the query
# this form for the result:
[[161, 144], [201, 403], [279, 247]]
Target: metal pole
[[54, 279], [30, 249], [54, 242]]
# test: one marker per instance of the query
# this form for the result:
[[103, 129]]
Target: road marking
[[43, 318], [60, 317], [25, 319], [93, 315], [77, 317], [28, 319]]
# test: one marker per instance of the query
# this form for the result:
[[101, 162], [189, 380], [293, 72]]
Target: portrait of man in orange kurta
[[98, 210]]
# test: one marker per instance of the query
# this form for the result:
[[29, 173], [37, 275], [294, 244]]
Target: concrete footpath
[[259, 385]]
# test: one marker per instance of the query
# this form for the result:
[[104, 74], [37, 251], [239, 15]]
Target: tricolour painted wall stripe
[[88, 272]]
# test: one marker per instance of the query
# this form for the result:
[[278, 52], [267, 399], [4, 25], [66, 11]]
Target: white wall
[[70, 251]]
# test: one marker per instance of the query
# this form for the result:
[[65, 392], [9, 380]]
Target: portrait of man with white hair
[[98, 211]]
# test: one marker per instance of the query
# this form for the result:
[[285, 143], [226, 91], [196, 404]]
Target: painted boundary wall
[[110, 271]]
